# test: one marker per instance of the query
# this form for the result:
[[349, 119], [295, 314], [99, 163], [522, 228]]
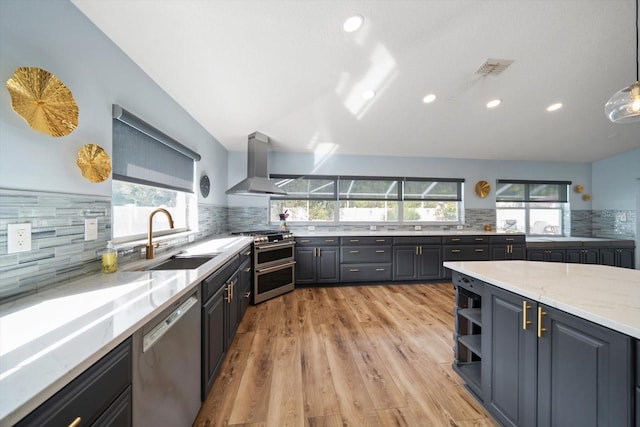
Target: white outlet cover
[[18, 238], [372, 228], [90, 229], [418, 228]]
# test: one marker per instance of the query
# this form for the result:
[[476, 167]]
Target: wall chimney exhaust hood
[[257, 181]]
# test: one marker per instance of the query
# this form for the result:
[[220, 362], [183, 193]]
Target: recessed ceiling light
[[353, 24], [554, 107], [494, 103], [429, 98], [368, 94]]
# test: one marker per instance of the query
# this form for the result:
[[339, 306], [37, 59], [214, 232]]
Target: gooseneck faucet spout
[[150, 246]]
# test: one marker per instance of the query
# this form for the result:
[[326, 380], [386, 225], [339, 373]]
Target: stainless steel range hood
[[257, 181]]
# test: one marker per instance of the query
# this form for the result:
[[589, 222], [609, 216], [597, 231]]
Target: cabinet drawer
[[417, 241], [468, 283], [89, 395], [212, 283], [365, 254], [365, 273], [466, 253], [508, 240], [465, 240], [365, 241], [245, 254], [317, 241]]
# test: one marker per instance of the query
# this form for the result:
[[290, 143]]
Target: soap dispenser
[[109, 259]]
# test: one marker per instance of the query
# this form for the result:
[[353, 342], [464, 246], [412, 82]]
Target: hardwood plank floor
[[344, 356]]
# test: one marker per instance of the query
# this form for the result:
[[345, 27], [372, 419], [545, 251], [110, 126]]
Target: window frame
[[397, 197]]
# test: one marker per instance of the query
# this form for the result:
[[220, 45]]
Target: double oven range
[[273, 263]]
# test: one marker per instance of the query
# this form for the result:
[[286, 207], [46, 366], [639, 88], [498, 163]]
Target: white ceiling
[[286, 68]]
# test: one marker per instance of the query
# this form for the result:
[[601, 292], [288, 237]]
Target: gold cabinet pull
[[247, 253], [354, 270], [417, 250], [247, 294], [509, 239], [354, 240], [479, 239], [76, 422], [479, 250], [329, 241], [380, 240], [420, 252], [540, 328], [380, 252], [379, 269], [455, 251], [354, 252], [455, 240], [248, 269], [525, 322]]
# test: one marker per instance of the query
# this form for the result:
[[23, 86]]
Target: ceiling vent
[[493, 67]]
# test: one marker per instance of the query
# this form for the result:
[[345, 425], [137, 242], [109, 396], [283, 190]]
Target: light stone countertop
[[49, 338], [608, 296]]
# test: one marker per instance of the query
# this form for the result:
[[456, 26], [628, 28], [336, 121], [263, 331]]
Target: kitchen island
[[549, 343]]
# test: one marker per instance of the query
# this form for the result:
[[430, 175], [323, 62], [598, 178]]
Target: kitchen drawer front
[[365, 273], [245, 254], [217, 279], [508, 240], [417, 241], [365, 241], [89, 395], [317, 241], [466, 253], [469, 283], [464, 240], [365, 254]]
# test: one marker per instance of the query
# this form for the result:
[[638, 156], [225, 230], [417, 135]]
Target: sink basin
[[183, 262]]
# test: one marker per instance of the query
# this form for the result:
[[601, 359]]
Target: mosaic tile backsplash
[[60, 253]]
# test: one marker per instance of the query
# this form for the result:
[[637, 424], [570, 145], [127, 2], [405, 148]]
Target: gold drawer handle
[[479, 239], [525, 322], [380, 252], [354, 270], [509, 239], [540, 328], [479, 250], [76, 422], [354, 252], [329, 241], [380, 240], [247, 295], [248, 269], [379, 269], [455, 240], [455, 251], [354, 240], [247, 253]]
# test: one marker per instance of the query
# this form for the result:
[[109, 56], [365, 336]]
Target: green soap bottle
[[109, 259]]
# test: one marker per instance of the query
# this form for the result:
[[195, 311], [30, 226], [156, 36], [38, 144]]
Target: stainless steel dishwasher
[[166, 367]]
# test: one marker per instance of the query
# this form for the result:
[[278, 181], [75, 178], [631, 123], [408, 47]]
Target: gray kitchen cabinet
[[508, 247], [365, 259], [584, 373], [100, 396], [417, 258], [543, 367], [245, 281], [465, 248], [220, 318], [547, 255], [582, 256], [317, 260], [618, 257], [509, 372]]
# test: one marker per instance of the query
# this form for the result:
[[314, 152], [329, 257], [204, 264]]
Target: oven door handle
[[279, 245], [275, 267]]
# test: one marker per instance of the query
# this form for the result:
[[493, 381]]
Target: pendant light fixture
[[624, 105]]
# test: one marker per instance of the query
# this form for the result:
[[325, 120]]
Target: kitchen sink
[[182, 262]]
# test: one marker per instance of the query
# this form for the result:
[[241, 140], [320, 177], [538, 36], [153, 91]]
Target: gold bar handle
[[380, 240], [455, 251], [525, 322], [417, 250], [76, 422], [479, 250], [379, 269], [540, 328], [380, 252], [354, 270], [420, 250], [354, 252], [248, 269], [354, 240], [455, 240]]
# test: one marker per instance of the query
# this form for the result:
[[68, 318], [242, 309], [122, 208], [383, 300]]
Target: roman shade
[[511, 190], [144, 155]]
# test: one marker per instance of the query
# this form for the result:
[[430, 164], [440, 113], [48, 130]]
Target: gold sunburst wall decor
[[482, 189], [94, 163], [43, 101]]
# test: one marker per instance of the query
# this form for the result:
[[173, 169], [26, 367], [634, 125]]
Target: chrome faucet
[[150, 245]]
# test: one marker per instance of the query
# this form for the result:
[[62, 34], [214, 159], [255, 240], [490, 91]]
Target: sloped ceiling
[[287, 69]]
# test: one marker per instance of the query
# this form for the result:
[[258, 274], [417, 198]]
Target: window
[[531, 207], [150, 171], [350, 199]]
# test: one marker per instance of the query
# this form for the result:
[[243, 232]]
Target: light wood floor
[[344, 356]]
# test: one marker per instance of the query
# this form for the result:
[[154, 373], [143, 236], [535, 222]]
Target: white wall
[[57, 37], [471, 170]]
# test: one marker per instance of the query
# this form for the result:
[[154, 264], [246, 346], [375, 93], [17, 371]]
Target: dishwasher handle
[[151, 337]]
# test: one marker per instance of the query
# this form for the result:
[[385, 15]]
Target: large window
[[150, 170], [531, 207], [356, 199]]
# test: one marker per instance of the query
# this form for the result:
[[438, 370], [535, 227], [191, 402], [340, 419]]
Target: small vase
[[283, 225]]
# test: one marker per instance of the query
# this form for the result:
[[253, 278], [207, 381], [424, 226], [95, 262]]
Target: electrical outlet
[[192, 238], [418, 228], [312, 228], [460, 227], [18, 238], [373, 228], [90, 229]]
